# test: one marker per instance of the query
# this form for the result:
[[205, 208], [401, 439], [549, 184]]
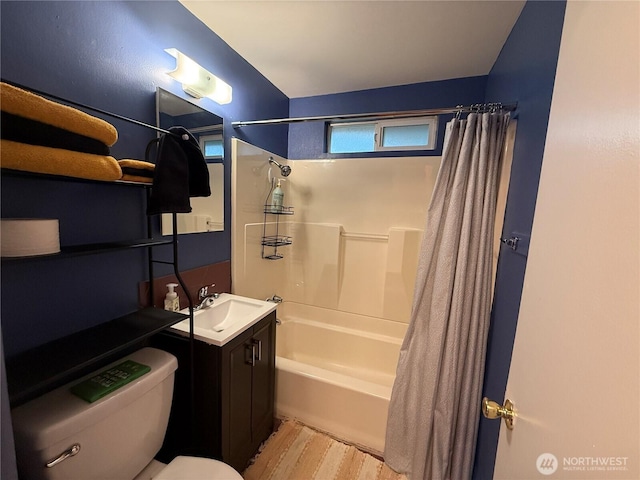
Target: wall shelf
[[25, 174], [45, 367], [33, 372], [278, 210], [276, 241], [92, 249], [36, 371]]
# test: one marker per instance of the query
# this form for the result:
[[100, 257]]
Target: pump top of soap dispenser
[[171, 293]]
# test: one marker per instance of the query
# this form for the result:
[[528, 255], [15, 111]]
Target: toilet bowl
[[194, 468], [60, 436], [188, 468]]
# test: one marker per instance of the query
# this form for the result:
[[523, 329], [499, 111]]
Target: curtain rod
[[478, 107]]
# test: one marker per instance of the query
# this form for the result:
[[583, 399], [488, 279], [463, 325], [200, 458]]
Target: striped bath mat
[[296, 452]]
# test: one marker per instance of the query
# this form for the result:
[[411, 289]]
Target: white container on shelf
[[24, 237]]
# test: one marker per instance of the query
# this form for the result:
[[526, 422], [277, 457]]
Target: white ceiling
[[316, 47]]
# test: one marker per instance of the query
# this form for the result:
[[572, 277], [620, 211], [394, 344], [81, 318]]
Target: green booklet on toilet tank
[[110, 380]]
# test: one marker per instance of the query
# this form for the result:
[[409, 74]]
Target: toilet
[[60, 436]]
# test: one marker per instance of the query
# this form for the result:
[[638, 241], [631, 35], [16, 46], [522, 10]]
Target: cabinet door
[[263, 381], [240, 377]]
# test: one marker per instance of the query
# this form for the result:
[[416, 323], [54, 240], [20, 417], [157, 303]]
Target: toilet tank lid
[[59, 413]]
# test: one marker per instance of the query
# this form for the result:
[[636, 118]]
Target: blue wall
[[524, 72], [307, 140], [110, 55]]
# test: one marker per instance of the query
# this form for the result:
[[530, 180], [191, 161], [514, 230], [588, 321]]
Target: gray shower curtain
[[435, 403]]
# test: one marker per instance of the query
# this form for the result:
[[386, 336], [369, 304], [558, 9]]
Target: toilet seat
[[196, 468]]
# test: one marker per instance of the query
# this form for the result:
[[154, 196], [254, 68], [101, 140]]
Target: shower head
[[285, 170]]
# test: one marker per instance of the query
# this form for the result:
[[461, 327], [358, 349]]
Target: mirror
[[207, 213]]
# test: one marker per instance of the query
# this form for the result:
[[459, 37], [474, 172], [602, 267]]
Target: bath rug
[[297, 452], [29, 105], [56, 161]]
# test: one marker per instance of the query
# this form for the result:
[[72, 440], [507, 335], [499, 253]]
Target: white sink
[[229, 316]]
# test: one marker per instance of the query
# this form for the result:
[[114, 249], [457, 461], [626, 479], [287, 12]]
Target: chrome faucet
[[206, 298]]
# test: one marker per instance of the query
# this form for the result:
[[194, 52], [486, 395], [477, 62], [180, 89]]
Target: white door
[[574, 375]]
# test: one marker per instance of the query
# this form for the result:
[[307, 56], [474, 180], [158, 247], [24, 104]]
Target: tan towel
[[56, 161], [136, 170], [29, 105]]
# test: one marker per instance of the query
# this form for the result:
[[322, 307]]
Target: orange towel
[[56, 161], [29, 105], [136, 170]]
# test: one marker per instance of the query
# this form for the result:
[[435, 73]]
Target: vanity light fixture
[[198, 82]]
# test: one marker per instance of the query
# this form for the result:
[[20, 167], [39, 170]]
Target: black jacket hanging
[[180, 173]]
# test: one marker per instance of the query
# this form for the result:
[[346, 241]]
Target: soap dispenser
[[171, 301], [277, 199]]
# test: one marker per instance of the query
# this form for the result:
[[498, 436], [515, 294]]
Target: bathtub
[[335, 371]]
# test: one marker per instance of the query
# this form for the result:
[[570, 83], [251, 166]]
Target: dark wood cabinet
[[234, 392]]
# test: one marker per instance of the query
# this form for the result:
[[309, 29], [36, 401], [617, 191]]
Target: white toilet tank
[[118, 434]]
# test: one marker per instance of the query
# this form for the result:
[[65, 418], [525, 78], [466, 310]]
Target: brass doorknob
[[491, 409]]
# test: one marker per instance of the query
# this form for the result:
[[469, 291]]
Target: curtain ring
[[459, 112]]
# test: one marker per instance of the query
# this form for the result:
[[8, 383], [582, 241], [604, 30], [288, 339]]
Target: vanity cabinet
[[234, 392]]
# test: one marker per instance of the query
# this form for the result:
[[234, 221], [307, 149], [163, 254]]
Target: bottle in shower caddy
[[277, 199]]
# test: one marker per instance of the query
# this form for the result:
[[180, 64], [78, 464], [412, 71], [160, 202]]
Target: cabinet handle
[[259, 344]]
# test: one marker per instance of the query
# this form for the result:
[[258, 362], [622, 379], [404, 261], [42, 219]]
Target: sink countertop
[[228, 317]]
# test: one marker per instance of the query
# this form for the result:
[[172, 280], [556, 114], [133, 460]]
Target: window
[[384, 135], [212, 146]]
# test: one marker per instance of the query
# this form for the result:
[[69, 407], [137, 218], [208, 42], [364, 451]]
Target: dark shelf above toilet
[[36, 371]]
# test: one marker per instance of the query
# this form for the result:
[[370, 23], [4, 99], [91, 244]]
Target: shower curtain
[[435, 402]]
